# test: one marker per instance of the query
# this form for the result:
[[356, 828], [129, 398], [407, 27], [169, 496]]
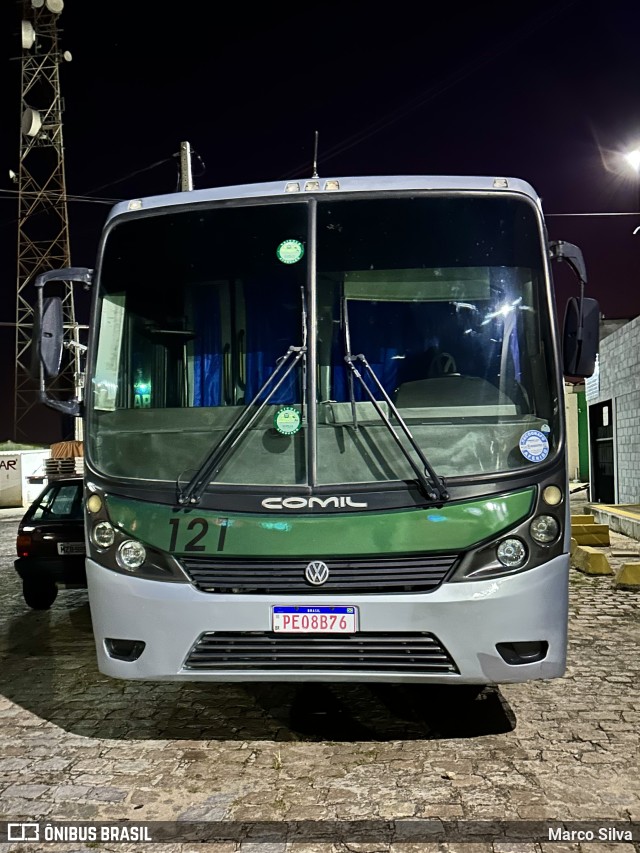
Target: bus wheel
[[39, 596]]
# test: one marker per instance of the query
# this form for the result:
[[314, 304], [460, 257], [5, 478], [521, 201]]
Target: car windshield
[[445, 297], [59, 501]]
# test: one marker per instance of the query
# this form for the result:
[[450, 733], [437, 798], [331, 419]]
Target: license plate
[[66, 548], [315, 620]]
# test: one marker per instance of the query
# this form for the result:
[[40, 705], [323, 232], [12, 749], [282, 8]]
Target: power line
[[637, 213], [433, 91], [86, 198], [131, 175], [11, 194]]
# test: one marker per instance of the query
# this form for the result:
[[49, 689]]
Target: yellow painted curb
[[591, 534], [628, 576], [590, 561], [583, 519]]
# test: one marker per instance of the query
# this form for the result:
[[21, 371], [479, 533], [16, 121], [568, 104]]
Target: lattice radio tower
[[43, 224]]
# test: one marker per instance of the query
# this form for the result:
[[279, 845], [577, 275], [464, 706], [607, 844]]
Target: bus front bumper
[[158, 625]]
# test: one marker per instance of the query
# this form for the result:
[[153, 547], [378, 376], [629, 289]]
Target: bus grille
[[421, 573], [362, 652]]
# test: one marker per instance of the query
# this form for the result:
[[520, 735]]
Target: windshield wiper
[[432, 485], [218, 455]]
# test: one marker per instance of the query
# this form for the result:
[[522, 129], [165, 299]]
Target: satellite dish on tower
[[31, 122], [55, 6], [28, 34], [67, 56], [37, 4]]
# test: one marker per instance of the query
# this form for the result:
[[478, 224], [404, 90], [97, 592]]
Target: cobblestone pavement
[[76, 745]]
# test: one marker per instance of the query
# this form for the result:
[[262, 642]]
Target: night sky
[[548, 92]]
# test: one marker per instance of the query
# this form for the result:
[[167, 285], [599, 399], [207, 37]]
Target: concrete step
[[591, 534], [622, 518]]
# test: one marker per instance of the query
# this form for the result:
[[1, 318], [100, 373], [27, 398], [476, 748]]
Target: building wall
[[15, 468], [571, 415], [619, 380], [627, 446], [10, 479]]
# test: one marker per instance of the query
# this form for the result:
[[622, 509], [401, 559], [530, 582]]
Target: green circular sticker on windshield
[[290, 251], [287, 420]]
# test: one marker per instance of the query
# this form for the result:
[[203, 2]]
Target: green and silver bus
[[324, 432]]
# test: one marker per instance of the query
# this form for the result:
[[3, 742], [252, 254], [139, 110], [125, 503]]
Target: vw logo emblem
[[317, 573]]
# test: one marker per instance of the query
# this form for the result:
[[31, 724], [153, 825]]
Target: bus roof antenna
[[315, 156]]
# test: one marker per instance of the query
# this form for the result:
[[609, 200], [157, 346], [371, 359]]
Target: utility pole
[[186, 178], [43, 225]]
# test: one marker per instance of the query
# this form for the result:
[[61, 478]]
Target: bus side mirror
[[581, 336], [50, 337]]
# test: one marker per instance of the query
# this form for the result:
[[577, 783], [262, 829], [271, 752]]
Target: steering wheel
[[444, 364]]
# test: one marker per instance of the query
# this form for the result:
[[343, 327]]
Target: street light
[[633, 159]]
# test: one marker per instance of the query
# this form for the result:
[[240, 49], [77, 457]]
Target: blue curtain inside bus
[[208, 359], [400, 340]]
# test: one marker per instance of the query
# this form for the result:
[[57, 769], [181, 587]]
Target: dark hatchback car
[[50, 543]]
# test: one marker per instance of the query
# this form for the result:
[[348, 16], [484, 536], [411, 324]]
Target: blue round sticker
[[534, 445]]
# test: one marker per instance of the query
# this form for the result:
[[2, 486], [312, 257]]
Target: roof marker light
[[502, 183], [311, 186], [292, 187], [332, 185]]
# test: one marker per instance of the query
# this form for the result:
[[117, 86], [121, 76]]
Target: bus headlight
[[544, 529], [103, 535], [130, 555], [512, 553]]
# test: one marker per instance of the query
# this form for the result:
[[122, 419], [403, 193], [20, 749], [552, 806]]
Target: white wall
[[571, 415], [10, 479], [15, 467]]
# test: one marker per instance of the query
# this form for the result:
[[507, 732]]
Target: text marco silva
[[602, 833]]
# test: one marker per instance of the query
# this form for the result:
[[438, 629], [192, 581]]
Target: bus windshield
[[445, 296]]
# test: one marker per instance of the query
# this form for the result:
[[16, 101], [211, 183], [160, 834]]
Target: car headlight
[[130, 555], [512, 553], [103, 535], [544, 529]]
